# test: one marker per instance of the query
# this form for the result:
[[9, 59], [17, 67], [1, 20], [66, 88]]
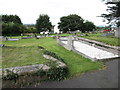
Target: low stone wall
[[25, 69]]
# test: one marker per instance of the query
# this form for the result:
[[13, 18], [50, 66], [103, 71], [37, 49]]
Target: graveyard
[[76, 45], [27, 52], [73, 60]]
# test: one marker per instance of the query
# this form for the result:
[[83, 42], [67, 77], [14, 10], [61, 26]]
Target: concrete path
[[107, 78]]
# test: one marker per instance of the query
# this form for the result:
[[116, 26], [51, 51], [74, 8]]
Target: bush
[[57, 73], [10, 75], [54, 72], [38, 73]]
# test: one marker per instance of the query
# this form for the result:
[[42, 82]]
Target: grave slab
[[91, 51]]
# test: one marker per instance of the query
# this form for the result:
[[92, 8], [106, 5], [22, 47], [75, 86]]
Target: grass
[[21, 56], [65, 34], [76, 63], [108, 40]]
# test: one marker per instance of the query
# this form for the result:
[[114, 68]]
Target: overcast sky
[[29, 10]]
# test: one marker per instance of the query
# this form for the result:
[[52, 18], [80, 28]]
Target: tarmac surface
[[107, 78]]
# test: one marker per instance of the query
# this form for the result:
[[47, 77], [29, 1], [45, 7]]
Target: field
[[31, 55]]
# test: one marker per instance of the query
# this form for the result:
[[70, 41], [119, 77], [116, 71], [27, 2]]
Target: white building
[[56, 30]]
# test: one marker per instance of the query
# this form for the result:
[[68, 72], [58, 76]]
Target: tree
[[89, 26], [11, 28], [114, 13], [43, 23], [71, 22], [11, 25], [11, 18]]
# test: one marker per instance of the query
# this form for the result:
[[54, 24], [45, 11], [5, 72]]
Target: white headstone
[[41, 32]]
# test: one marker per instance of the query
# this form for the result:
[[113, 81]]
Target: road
[[107, 78]]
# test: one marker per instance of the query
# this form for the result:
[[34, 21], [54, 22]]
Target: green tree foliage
[[70, 23], [89, 26], [43, 23], [114, 13], [11, 18], [30, 28], [11, 25], [12, 28]]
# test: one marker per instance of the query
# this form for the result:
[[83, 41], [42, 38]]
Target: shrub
[[38, 73], [57, 73], [10, 75]]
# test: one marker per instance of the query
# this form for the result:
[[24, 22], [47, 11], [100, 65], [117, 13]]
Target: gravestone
[[81, 34], [70, 42], [57, 36], [104, 34], [13, 39], [76, 38], [117, 33], [2, 45]]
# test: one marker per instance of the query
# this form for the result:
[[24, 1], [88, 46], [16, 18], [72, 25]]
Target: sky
[[29, 10]]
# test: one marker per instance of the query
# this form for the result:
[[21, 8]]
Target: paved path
[[107, 78]]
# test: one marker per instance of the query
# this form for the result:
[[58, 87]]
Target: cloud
[[29, 10]]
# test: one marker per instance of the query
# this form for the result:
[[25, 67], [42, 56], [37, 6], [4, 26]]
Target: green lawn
[[76, 63], [108, 40], [65, 34], [20, 56]]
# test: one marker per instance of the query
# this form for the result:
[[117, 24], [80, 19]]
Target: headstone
[[104, 35], [2, 45], [41, 32], [81, 34], [117, 33], [21, 34], [57, 36], [46, 32], [70, 42], [75, 38]]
